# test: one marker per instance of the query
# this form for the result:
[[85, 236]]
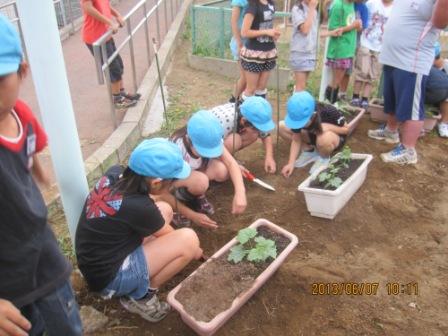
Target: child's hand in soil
[[239, 204], [269, 165], [288, 169], [204, 221]]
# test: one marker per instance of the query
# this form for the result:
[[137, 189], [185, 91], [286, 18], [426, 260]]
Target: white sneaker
[[383, 133], [319, 163], [151, 309], [443, 129], [400, 155], [305, 158]]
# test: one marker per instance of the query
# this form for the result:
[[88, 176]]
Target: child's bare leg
[[357, 88], [197, 183], [263, 80], [326, 143], [444, 111], [241, 84], [233, 140], [338, 75], [301, 78], [251, 83], [217, 171], [116, 86], [169, 254], [284, 132], [367, 90]]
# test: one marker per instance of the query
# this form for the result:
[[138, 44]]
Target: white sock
[[261, 92]]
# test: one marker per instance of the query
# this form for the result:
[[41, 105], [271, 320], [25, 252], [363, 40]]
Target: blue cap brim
[[210, 153], [185, 172], [266, 127], [8, 68], [295, 124]]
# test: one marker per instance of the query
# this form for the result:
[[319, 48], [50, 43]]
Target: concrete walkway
[[90, 100]]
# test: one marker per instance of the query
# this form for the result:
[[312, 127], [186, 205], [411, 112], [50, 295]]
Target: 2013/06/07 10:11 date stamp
[[363, 288]]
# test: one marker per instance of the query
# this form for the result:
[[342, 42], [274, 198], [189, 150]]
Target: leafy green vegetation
[[329, 175], [252, 247]]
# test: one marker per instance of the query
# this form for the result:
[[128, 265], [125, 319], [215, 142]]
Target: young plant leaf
[[323, 176], [335, 182], [264, 249], [246, 234], [237, 254]]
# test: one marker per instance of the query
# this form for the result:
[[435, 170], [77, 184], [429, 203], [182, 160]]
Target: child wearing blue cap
[[35, 292], [254, 121], [322, 129], [201, 143], [125, 245]]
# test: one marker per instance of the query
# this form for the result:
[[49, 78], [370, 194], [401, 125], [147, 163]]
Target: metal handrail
[[103, 61]]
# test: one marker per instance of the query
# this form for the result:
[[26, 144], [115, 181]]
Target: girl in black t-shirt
[[259, 54], [321, 127], [125, 244]]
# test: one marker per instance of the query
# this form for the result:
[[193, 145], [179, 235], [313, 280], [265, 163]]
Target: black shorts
[[116, 67]]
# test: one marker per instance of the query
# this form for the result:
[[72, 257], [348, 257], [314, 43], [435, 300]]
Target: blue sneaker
[[306, 158], [320, 162], [400, 155]]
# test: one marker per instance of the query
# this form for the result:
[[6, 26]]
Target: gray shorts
[[300, 63]]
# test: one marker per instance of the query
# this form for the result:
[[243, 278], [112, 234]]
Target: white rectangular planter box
[[328, 203], [209, 328]]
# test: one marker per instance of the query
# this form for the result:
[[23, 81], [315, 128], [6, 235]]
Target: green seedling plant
[[253, 247], [337, 162]]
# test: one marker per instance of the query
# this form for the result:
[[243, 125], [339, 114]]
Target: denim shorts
[[116, 67], [132, 278]]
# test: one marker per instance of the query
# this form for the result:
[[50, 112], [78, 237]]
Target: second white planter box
[[328, 203]]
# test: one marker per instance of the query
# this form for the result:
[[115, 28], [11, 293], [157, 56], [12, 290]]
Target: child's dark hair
[[131, 183], [181, 133], [22, 71], [316, 121]]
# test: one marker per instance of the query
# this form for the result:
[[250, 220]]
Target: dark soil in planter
[[343, 174], [214, 287]]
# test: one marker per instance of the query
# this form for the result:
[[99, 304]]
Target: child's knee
[[326, 143], [199, 183], [166, 211], [190, 241], [221, 173], [230, 143]]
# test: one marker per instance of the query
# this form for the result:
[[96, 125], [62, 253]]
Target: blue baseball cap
[[437, 49], [159, 158], [258, 112], [299, 109], [206, 133], [10, 48]]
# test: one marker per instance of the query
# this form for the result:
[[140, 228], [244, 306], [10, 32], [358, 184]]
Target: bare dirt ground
[[395, 229]]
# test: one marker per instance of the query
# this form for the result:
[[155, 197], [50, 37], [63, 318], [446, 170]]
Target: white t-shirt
[[193, 162], [372, 36], [409, 36]]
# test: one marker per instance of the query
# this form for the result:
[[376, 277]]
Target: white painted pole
[[41, 36], [326, 73]]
